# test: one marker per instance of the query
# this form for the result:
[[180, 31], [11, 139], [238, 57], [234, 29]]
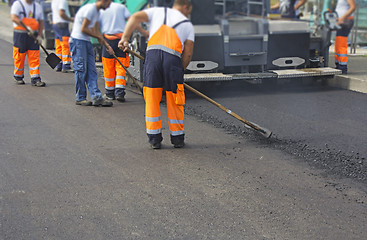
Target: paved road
[[72, 172]]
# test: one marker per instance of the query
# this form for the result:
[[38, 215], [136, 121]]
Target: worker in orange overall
[[169, 51], [60, 20], [31, 14], [345, 10], [112, 22]]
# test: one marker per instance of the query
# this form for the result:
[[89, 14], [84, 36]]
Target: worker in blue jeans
[[85, 26]]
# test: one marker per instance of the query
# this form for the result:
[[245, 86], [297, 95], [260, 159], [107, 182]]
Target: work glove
[[39, 40], [30, 31]]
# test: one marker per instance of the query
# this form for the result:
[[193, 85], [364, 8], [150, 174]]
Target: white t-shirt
[[17, 9], [88, 11], [56, 6], [113, 19], [342, 7], [185, 31]]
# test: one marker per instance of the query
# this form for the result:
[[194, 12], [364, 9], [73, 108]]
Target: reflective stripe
[[18, 75], [59, 55], [35, 75], [176, 133], [343, 63], [120, 77], [66, 56], [109, 88], [174, 121], [165, 49], [152, 119], [153, 131], [66, 62], [19, 69], [342, 55], [35, 68], [120, 86], [109, 79]]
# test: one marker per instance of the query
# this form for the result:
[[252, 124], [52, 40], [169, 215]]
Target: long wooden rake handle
[[265, 132]]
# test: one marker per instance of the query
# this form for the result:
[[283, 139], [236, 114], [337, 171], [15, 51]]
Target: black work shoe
[[19, 82], [179, 145], [109, 96], [102, 102], [39, 83], [58, 69], [120, 98], [83, 103], [156, 145]]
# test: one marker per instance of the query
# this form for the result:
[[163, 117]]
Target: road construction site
[[72, 172]]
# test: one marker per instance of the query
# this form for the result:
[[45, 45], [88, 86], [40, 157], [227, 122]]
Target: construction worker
[[288, 8], [169, 51], [86, 25], [60, 20], [30, 13], [345, 10], [112, 22]]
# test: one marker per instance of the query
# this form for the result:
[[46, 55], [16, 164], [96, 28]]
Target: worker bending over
[[85, 26], [60, 20], [169, 51], [31, 14], [345, 10]]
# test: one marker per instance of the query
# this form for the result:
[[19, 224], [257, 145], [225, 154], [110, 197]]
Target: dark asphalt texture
[[323, 126]]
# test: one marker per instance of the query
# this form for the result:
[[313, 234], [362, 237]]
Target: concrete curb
[[349, 83]]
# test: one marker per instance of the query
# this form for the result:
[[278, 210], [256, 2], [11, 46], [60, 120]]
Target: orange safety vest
[[29, 21]]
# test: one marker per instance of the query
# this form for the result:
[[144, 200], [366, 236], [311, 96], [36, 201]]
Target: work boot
[[120, 94], [120, 98], [19, 82], [102, 103], [38, 83], [156, 145], [67, 69], [83, 103], [178, 141], [109, 95]]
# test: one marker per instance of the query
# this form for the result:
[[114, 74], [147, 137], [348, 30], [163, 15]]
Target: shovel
[[52, 59], [263, 131]]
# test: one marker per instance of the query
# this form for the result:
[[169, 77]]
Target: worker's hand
[[30, 31], [124, 45], [39, 40], [145, 33], [110, 50], [340, 21]]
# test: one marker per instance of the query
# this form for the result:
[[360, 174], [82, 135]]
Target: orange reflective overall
[[163, 70], [25, 45], [114, 73]]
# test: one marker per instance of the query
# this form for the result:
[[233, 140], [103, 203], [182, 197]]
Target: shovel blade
[[53, 60]]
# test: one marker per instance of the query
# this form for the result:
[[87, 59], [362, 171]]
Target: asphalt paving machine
[[237, 40]]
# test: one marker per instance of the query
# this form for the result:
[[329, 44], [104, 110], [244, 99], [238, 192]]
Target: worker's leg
[[58, 46], [121, 77], [152, 90], [34, 62], [19, 54], [79, 56], [174, 78], [92, 76], [66, 56], [341, 46], [152, 97], [175, 111], [109, 74]]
